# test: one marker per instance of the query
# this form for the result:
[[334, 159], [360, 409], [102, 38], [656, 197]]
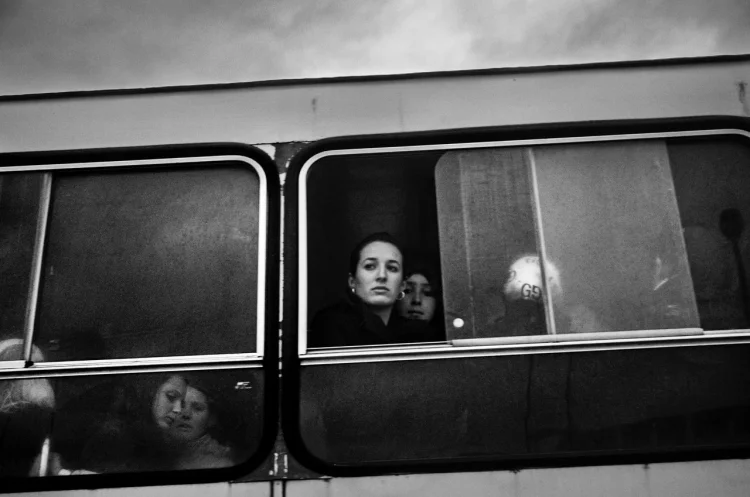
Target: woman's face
[[419, 301], [379, 276], [181, 411]]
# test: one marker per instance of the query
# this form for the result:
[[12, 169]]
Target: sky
[[64, 45]]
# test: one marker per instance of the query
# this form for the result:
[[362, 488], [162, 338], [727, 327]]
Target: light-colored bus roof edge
[[299, 113]]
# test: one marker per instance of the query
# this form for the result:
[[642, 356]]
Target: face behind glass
[[181, 411], [378, 279], [419, 302]]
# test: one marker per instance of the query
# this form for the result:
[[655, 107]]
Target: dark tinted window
[[151, 263]]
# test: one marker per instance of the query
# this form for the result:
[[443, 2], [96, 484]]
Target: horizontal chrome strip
[[433, 351], [576, 337], [16, 369]]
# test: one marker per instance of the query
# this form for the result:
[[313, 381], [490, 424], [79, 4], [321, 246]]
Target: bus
[[165, 253]]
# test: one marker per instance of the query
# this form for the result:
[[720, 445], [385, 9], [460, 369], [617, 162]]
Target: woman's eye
[[407, 291], [394, 269], [369, 266]]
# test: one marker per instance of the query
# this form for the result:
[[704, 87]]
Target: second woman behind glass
[[422, 304], [376, 281]]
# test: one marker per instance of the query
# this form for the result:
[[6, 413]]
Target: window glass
[[180, 420], [516, 407], [602, 217], [19, 205], [712, 178], [612, 238], [487, 229], [150, 263]]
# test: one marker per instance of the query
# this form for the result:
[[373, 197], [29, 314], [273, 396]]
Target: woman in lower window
[[376, 281], [186, 414]]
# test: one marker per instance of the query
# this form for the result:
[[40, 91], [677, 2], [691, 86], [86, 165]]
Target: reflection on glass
[[711, 179], [486, 221], [610, 222], [601, 217]]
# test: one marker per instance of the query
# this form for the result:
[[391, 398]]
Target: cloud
[[596, 30], [92, 44]]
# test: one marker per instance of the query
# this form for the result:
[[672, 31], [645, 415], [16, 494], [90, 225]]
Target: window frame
[[611, 340], [265, 357]]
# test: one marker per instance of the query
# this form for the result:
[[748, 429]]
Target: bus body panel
[[306, 112]]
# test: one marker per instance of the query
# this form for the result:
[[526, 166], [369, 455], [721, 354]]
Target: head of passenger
[[18, 394], [376, 274], [181, 411], [26, 409], [421, 295]]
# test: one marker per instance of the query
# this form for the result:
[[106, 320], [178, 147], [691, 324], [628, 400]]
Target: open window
[[617, 229], [134, 315]]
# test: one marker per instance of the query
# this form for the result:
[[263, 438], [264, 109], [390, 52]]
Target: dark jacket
[[350, 323]]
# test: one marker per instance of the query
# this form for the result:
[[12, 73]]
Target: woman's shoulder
[[208, 453], [335, 325], [340, 309]]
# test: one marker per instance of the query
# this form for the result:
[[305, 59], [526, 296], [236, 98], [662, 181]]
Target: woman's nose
[[417, 300], [177, 407], [382, 274]]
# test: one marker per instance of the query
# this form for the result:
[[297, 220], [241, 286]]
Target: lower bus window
[[181, 420]]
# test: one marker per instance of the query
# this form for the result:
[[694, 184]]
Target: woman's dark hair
[[381, 236], [426, 268]]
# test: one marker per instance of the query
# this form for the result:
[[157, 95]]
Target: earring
[[401, 295], [352, 289]]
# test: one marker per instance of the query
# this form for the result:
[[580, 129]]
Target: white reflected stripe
[[577, 337]]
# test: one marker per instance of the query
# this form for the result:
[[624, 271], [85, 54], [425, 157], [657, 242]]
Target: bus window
[[712, 178], [598, 222], [151, 263], [177, 420], [578, 279], [631, 238], [19, 205], [488, 242], [610, 223], [350, 197]]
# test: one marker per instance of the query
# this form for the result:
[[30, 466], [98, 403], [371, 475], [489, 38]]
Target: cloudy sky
[[61, 45]]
